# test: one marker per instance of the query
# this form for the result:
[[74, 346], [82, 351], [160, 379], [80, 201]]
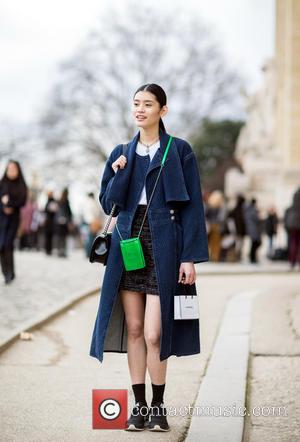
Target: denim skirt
[[142, 280]]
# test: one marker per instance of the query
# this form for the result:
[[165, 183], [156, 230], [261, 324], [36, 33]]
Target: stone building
[[268, 147]]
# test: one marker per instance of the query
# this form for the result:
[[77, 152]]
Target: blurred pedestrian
[[13, 193], [51, 209], [215, 217], [294, 226], [253, 229], [36, 228], [63, 223], [287, 226], [228, 241], [238, 216], [271, 225], [26, 229]]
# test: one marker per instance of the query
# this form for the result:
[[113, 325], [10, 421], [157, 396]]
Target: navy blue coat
[[177, 225]]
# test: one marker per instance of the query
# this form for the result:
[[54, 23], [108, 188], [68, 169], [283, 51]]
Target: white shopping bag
[[186, 307]]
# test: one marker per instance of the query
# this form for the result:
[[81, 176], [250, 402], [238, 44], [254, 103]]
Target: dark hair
[[19, 180], [18, 186], [64, 195], [160, 95], [240, 199]]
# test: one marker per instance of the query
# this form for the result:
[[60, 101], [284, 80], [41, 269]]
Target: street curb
[[223, 388], [46, 316], [242, 271]]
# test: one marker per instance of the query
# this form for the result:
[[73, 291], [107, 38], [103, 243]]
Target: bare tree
[[90, 106], [14, 140], [10, 138]]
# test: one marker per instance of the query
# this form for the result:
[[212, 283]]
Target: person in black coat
[[13, 194], [49, 225], [253, 228], [271, 225], [238, 216], [64, 218], [294, 227]]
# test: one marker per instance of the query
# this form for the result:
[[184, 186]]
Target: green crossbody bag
[[131, 249]]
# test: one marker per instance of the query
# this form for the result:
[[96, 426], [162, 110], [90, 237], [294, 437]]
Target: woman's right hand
[[120, 162]]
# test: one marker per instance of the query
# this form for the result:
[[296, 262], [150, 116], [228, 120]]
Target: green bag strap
[[162, 165], [166, 151]]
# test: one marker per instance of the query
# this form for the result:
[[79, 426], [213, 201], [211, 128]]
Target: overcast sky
[[36, 35]]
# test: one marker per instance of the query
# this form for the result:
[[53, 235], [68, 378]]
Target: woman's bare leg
[[134, 308], [152, 329]]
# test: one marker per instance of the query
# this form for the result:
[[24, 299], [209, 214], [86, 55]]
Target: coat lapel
[[172, 175]]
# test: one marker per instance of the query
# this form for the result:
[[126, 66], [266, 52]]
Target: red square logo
[[109, 409]]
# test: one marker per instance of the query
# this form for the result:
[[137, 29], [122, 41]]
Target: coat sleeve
[[195, 243], [106, 183], [18, 200]]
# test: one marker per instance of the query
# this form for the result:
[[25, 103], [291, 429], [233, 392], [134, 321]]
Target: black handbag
[[101, 244]]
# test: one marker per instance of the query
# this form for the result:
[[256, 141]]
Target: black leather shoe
[[138, 420], [158, 418]]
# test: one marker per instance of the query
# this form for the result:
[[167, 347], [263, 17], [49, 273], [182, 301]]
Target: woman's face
[[146, 109], [12, 172]]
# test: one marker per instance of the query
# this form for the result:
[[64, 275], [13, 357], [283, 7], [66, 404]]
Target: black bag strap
[[124, 151]]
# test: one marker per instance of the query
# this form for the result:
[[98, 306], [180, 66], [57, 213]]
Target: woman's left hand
[[5, 199], [187, 273]]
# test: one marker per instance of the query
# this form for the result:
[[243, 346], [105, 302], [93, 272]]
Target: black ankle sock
[[158, 393], [139, 391]]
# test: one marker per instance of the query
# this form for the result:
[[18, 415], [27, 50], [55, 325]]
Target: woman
[[13, 194], [135, 314]]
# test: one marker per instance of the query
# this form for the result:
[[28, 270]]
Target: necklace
[[148, 145]]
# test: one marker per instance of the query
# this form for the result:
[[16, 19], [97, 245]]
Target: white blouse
[[141, 150]]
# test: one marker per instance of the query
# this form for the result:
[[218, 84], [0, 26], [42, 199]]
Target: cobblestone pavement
[[43, 283], [273, 393]]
